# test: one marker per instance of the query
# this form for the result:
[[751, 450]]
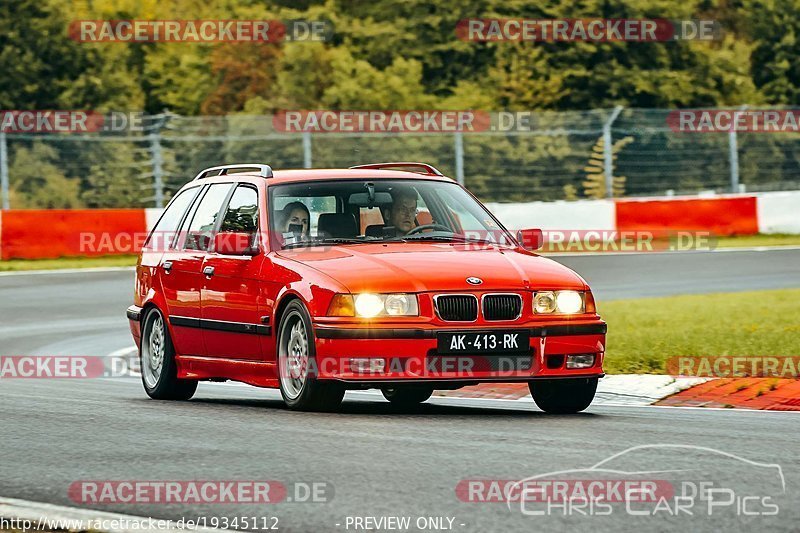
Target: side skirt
[[256, 373]]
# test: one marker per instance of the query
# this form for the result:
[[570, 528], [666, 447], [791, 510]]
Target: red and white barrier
[[735, 215], [773, 212], [41, 234], [51, 233], [580, 215]]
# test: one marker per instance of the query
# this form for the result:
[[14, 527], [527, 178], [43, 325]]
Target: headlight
[[569, 302], [368, 305], [562, 302], [544, 302]]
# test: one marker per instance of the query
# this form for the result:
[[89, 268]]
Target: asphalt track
[[377, 461]]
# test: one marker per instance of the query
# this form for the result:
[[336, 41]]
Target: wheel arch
[[280, 309]]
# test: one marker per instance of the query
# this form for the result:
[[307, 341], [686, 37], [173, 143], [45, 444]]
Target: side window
[[167, 225], [242, 213], [200, 233]]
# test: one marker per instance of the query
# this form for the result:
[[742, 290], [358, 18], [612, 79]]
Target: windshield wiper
[[330, 240], [447, 238]]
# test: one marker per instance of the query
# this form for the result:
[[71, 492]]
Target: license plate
[[478, 342]]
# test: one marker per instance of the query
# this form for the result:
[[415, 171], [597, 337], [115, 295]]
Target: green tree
[[37, 181]]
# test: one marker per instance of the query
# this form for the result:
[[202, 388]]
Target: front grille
[[502, 306], [457, 307]]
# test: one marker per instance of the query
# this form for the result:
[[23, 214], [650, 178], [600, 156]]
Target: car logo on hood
[[474, 281]]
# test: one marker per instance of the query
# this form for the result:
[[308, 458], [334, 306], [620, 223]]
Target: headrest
[[337, 225]]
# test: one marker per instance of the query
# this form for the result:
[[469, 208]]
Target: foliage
[[37, 181], [399, 54]]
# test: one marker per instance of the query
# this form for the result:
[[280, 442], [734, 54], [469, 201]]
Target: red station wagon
[[388, 276]]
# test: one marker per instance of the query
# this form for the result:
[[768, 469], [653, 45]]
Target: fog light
[[367, 364], [583, 360]]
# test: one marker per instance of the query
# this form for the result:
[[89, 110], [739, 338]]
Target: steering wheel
[[433, 227]]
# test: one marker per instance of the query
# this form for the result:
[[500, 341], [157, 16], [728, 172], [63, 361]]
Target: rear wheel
[[408, 395], [300, 388], [157, 361], [563, 396]]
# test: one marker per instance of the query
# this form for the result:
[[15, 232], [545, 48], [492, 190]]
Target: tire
[[296, 349], [408, 395], [157, 361], [563, 396]]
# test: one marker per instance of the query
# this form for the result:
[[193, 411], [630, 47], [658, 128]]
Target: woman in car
[[295, 218]]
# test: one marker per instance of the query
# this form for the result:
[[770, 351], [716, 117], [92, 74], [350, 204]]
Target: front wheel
[[563, 396], [300, 388], [157, 362], [408, 395]]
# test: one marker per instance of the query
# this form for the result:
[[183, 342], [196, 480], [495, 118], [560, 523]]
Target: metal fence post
[[4, 171], [608, 152], [733, 152], [158, 171], [307, 149], [459, 149]]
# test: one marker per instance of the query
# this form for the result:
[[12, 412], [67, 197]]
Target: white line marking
[[53, 514]]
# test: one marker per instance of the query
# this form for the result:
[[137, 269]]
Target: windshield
[[359, 211]]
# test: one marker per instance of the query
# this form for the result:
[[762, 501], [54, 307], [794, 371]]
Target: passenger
[[294, 218]]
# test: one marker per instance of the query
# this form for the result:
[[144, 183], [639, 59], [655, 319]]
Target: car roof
[[302, 175]]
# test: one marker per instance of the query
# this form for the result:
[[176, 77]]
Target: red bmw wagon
[[388, 276]]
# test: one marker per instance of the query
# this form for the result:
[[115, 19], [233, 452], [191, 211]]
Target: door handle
[[208, 271], [167, 266]]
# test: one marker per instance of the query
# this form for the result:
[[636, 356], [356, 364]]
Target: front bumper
[[410, 354]]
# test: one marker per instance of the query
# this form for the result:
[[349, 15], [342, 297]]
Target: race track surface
[[377, 461]]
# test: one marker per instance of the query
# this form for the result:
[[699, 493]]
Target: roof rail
[[265, 171], [428, 169]]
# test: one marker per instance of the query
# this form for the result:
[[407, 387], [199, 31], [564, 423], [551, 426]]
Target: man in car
[[402, 213]]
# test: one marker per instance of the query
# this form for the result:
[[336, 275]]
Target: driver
[[402, 213]]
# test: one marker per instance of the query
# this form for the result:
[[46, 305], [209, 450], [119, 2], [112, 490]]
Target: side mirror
[[234, 243], [530, 239]]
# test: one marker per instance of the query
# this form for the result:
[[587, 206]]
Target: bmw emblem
[[474, 281]]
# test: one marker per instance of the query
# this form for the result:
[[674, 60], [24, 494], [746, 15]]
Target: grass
[[644, 333], [742, 241], [67, 262]]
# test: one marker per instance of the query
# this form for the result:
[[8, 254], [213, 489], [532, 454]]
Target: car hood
[[421, 267]]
